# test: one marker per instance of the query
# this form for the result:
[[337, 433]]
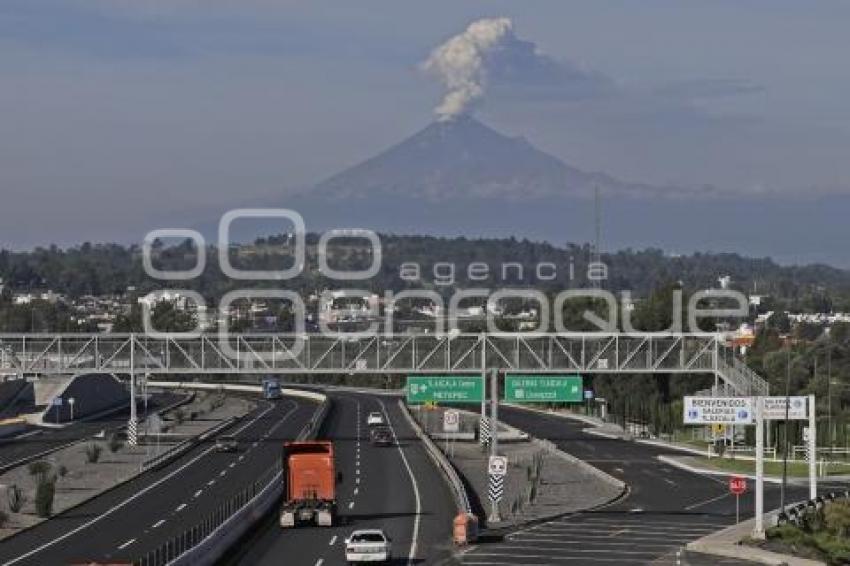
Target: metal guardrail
[[176, 549], [442, 463]]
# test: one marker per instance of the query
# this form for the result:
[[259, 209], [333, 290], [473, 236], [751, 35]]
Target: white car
[[375, 419], [367, 545]]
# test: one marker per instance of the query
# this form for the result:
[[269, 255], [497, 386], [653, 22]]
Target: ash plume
[[461, 64]]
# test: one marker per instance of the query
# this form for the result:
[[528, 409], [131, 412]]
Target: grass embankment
[[823, 534], [795, 469]]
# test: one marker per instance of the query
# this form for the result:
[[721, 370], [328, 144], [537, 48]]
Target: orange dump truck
[[310, 480]]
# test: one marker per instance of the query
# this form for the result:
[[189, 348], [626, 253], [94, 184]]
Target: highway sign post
[[718, 410], [497, 466], [737, 486], [497, 469], [57, 402], [544, 388], [451, 389], [775, 408], [495, 460], [451, 421]]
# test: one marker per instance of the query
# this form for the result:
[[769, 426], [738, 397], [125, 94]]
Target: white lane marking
[[138, 494], [356, 490], [358, 481], [232, 464], [320, 561], [110, 511], [223, 473], [241, 458], [211, 482], [411, 555], [351, 505], [706, 502], [158, 524], [333, 541], [126, 544], [180, 507], [198, 493]]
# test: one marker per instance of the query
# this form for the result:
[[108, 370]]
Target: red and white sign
[[737, 484], [451, 421]]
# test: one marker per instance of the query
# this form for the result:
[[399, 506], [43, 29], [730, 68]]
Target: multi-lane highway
[[136, 517], [664, 508], [37, 440], [395, 488]]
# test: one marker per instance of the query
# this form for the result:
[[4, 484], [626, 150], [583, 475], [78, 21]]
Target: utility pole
[[786, 444], [829, 394], [483, 383], [812, 442], [597, 246], [758, 530]]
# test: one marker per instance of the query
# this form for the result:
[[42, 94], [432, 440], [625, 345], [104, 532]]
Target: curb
[[450, 473], [608, 478], [749, 553], [671, 461], [622, 486], [713, 545]]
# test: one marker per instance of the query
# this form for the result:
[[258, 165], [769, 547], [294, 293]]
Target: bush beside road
[[823, 535]]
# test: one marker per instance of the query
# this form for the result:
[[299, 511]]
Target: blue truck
[[271, 389]]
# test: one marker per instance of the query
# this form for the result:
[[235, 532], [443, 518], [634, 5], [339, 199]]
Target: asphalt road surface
[[394, 488], [37, 440], [136, 517], [664, 508]]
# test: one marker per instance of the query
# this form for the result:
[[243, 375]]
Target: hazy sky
[[120, 115]]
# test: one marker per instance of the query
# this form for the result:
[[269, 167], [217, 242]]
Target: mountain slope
[[463, 158]]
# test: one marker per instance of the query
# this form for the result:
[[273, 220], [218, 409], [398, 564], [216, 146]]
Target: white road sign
[[451, 421], [712, 410], [774, 408], [497, 466]]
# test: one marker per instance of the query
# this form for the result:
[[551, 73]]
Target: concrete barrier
[[455, 483]]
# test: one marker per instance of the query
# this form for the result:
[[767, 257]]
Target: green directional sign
[[544, 388], [447, 389]]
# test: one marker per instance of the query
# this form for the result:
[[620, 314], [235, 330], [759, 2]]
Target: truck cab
[[310, 480], [271, 389]]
